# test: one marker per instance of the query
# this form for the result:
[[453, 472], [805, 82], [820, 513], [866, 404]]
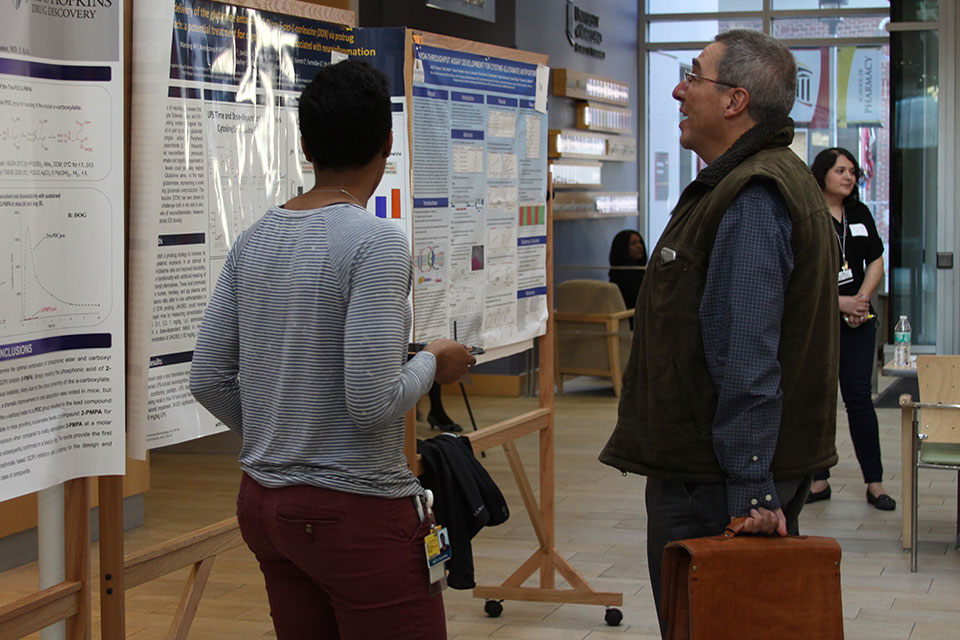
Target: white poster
[[217, 144], [479, 183], [61, 243]]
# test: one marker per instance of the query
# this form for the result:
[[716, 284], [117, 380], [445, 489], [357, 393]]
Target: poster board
[[479, 182], [216, 145], [61, 245]]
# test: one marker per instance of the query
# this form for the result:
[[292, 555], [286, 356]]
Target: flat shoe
[[882, 501], [817, 496]]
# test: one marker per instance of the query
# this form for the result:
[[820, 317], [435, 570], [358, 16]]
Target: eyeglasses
[[690, 77]]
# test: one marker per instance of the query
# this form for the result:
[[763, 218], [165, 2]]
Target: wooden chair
[[930, 432], [593, 331]]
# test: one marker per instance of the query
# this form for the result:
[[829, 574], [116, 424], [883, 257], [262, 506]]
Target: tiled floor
[[600, 523]]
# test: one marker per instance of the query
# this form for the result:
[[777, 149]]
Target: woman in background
[[628, 250], [859, 273]]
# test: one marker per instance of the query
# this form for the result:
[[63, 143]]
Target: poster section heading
[[222, 43], [469, 71]]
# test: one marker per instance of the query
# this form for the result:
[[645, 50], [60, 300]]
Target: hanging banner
[[61, 244], [217, 145], [811, 108], [479, 183], [859, 87]]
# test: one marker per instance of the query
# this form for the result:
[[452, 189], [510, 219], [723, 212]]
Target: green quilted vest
[[668, 402]]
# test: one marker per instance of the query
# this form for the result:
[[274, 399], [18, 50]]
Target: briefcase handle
[[736, 526]]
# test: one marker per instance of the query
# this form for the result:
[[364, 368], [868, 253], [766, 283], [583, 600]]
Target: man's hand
[[452, 359], [765, 521]]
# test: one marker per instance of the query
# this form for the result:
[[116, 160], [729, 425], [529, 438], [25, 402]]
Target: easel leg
[[76, 500], [526, 493], [112, 592], [547, 507], [190, 599]]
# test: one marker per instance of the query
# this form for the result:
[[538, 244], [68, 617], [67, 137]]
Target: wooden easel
[[546, 559]]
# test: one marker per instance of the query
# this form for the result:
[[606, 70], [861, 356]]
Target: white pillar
[[51, 556]]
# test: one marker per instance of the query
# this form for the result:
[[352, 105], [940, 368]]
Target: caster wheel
[[493, 608], [613, 617]]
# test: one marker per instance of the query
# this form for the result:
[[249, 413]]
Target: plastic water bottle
[[901, 343]]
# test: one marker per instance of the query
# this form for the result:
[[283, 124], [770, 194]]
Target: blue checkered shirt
[[740, 316]]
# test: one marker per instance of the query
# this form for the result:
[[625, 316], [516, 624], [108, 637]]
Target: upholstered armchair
[[592, 331]]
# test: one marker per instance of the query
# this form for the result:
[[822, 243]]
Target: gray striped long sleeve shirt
[[303, 351]]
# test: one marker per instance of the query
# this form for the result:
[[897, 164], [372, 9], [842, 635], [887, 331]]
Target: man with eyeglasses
[[729, 395]]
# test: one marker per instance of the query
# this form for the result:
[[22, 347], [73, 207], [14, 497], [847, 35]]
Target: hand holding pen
[[452, 359]]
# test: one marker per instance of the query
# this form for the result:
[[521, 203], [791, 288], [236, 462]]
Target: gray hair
[[764, 67]]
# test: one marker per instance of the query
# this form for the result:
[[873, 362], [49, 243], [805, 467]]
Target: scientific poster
[[479, 188], [61, 244], [215, 108]]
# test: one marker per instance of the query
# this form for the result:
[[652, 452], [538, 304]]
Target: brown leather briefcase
[[752, 587]]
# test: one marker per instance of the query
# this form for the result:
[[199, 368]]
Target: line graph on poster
[[44, 137], [58, 248]]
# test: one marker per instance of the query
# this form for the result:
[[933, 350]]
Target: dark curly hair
[[825, 161], [345, 115]]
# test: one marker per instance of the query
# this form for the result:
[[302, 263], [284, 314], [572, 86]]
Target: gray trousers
[[681, 510]]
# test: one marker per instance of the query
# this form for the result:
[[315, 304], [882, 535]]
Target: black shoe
[[882, 501], [817, 496], [447, 425]]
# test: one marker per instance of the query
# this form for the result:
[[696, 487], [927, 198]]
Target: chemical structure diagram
[[22, 134]]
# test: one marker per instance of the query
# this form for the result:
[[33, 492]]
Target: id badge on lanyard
[[436, 544], [845, 275]]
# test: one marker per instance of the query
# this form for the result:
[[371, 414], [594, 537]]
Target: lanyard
[[843, 242]]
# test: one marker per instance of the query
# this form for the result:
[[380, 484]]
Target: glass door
[[914, 165]]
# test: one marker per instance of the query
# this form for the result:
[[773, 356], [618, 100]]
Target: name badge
[[437, 545], [845, 276]]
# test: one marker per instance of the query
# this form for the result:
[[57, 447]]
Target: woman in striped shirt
[[303, 353]]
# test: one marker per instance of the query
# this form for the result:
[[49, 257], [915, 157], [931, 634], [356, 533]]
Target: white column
[[51, 556]]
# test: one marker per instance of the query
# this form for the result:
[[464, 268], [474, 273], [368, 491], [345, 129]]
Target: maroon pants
[[340, 565]]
